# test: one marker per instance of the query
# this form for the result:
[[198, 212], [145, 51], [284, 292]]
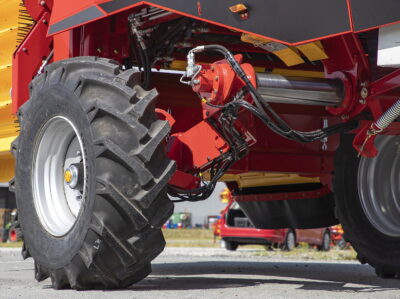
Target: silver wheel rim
[[379, 186], [290, 241], [58, 149], [326, 240]]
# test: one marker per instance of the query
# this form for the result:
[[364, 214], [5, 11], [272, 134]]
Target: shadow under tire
[[362, 224], [112, 230]]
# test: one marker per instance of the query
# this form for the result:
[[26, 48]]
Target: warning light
[[238, 8]]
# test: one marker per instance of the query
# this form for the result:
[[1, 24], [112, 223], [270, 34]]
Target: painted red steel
[[218, 82], [28, 59], [194, 142]]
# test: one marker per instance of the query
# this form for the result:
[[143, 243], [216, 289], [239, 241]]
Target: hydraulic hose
[[273, 121]]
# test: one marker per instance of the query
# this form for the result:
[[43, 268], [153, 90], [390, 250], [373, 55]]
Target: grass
[[205, 238], [11, 245], [304, 252], [190, 238]]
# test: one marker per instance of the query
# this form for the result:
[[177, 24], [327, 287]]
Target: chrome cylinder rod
[[300, 90]]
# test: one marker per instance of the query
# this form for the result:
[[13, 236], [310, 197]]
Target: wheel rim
[[326, 240], [379, 186], [59, 175], [290, 241]]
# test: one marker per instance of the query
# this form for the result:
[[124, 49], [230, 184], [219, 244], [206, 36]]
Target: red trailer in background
[[236, 229]]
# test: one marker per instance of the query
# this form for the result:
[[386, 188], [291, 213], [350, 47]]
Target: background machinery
[[124, 105]]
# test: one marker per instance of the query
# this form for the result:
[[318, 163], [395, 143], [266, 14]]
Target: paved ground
[[215, 273]]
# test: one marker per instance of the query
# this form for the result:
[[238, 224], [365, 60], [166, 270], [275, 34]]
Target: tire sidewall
[[49, 251]]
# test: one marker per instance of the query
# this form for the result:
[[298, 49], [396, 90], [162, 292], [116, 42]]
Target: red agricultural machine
[[125, 106]]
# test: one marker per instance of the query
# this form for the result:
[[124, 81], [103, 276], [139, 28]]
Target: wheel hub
[[59, 175], [73, 176]]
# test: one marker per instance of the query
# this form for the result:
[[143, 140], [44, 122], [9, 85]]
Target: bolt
[[208, 159], [25, 49], [364, 92], [98, 50], [116, 51], [216, 78], [215, 90], [345, 116], [42, 3], [362, 101], [44, 22]]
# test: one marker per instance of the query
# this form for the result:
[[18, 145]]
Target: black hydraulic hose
[[242, 75], [143, 61], [172, 32], [280, 127]]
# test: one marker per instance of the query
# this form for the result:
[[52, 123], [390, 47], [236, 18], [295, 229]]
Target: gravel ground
[[216, 273]]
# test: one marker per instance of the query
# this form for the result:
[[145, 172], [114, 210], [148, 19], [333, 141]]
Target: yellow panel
[[298, 73], [8, 42], [289, 56], [253, 39], [5, 86], [6, 168], [262, 179], [9, 14], [313, 51], [9, 11]]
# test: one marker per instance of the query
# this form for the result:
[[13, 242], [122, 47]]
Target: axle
[[298, 90]]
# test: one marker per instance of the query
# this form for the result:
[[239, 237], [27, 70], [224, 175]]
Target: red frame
[[194, 142]]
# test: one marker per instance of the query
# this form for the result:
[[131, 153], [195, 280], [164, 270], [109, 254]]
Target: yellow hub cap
[[68, 176]]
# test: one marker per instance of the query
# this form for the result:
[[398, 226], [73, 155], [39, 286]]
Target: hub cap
[[379, 186], [59, 175]]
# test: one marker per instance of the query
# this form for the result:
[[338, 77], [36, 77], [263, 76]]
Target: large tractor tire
[[367, 192], [91, 175]]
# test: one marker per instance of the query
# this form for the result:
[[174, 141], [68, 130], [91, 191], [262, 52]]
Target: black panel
[[84, 16], [286, 20], [372, 13], [7, 199], [297, 213], [112, 6], [278, 189]]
